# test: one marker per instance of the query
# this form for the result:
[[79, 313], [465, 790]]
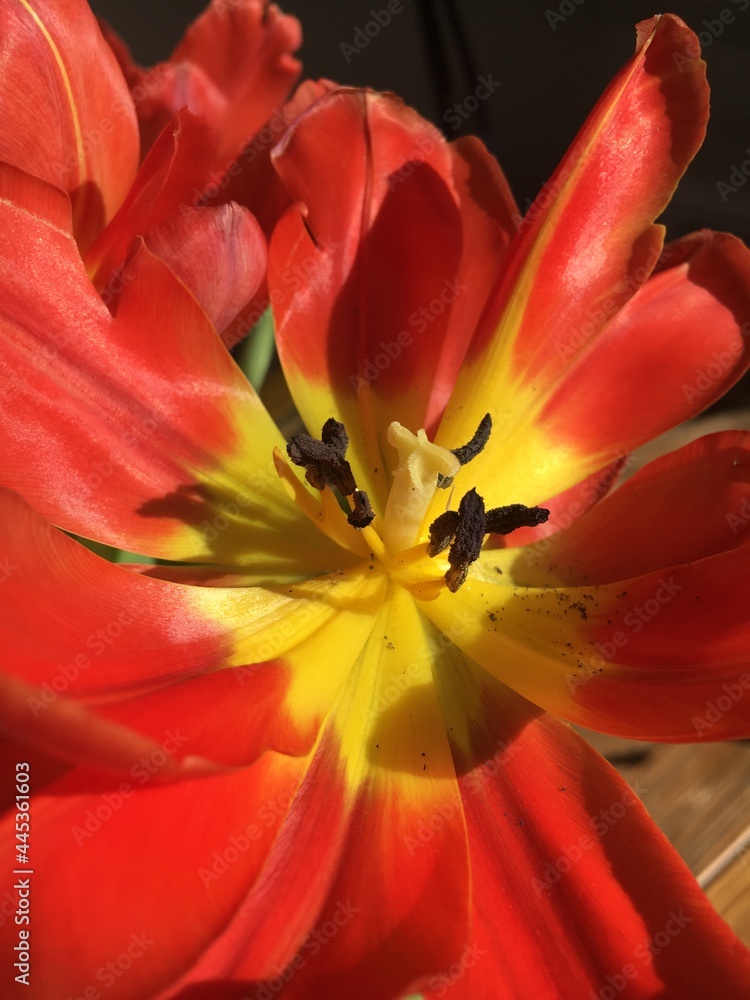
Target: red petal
[[67, 730], [67, 114], [132, 417], [398, 901], [676, 347], [232, 715], [377, 250], [683, 506], [167, 181], [105, 629], [275, 917], [670, 654], [575, 892], [589, 236], [192, 241], [172, 865], [234, 66], [251, 180], [245, 48], [587, 244]]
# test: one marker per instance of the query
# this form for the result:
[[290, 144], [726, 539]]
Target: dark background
[[550, 75]]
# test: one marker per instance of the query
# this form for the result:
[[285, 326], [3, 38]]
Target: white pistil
[[414, 484]]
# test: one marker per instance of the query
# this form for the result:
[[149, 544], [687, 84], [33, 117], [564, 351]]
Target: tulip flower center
[[406, 548]]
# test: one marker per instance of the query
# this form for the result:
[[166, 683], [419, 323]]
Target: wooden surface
[[699, 794]]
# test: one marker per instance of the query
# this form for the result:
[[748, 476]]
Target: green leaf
[[110, 553], [123, 556], [255, 354]]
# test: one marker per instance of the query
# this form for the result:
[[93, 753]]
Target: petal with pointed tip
[[173, 168], [586, 246]]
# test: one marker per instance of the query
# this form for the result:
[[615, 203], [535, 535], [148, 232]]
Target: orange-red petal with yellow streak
[[644, 658], [381, 771], [489, 218], [586, 245], [137, 429]]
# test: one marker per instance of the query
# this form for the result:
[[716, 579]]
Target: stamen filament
[[374, 543]]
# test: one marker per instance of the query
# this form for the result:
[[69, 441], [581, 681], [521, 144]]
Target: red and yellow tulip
[[321, 759]]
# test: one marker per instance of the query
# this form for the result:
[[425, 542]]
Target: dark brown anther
[[468, 542], [325, 465], [470, 450], [503, 520], [362, 515], [464, 530], [335, 436], [477, 443], [323, 461], [442, 532]]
